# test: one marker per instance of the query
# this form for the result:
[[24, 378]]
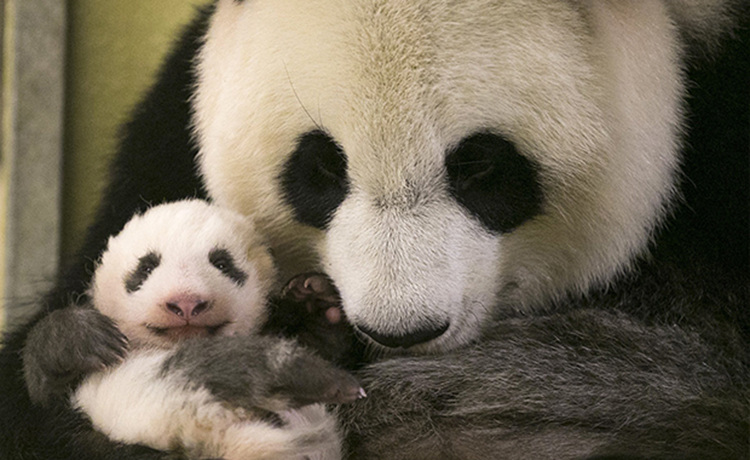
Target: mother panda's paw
[[67, 345], [309, 309], [318, 294]]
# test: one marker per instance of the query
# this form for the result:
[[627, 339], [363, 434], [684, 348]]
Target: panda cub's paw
[[67, 345], [318, 294]]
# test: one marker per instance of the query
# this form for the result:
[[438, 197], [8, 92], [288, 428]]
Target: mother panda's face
[[443, 162]]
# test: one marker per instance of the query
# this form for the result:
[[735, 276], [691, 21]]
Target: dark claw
[[346, 391]]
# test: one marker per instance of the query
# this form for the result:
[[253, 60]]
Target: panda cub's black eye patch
[[146, 265], [494, 182], [314, 180], [223, 261]]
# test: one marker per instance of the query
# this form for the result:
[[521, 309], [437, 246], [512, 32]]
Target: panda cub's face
[[442, 161], [181, 270]]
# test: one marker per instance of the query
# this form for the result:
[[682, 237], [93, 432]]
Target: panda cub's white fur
[[168, 249], [161, 281]]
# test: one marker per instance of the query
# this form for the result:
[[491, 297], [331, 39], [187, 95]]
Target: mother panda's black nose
[[405, 340]]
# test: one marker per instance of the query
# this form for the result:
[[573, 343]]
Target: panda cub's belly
[[188, 283], [136, 403]]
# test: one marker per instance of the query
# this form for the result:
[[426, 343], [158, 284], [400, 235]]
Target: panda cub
[[185, 283]]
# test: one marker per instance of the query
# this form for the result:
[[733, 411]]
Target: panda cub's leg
[[74, 342], [309, 433], [67, 345], [227, 397]]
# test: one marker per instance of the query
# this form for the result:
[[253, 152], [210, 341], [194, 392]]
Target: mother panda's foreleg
[[309, 310], [229, 397]]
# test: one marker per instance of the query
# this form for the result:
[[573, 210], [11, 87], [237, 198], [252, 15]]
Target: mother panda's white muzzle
[[415, 252], [413, 269]]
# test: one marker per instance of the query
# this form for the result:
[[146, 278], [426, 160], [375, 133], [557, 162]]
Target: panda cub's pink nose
[[187, 307]]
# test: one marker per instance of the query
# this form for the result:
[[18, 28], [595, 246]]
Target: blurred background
[[71, 72]]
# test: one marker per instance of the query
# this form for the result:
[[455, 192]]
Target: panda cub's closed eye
[[223, 261], [146, 265]]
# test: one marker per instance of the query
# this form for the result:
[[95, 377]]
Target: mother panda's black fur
[[686, 309]]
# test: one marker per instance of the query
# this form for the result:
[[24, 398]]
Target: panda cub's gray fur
[[186, 283]]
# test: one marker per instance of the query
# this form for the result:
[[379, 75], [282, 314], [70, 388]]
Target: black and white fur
[[184, 269], [272, 407], [185, 282], [385, 141]]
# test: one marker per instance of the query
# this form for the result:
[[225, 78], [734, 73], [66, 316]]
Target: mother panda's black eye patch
[[223, 261], [146, 265], [494, 182], [314, 181]]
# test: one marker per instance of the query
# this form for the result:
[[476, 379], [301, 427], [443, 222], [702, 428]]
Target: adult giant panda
[[482, 181]]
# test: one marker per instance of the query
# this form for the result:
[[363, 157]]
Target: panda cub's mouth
[[187, 330]]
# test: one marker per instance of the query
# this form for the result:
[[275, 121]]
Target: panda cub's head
[[184, 269]]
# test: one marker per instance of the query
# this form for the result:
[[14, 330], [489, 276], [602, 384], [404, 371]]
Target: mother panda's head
[[443, 161]]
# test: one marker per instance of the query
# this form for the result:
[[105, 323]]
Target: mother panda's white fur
[[590, 91], [139, 401]]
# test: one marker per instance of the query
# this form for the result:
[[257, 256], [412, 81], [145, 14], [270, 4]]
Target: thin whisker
[[289, 77]]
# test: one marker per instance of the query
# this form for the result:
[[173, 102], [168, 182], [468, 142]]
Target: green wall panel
[[114, 50]]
